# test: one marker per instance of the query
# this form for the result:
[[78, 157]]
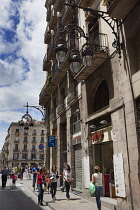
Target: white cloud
[[22, 79]]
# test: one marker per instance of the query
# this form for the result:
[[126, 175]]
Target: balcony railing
[[120, 8], [16, 141], [66, 15], [25, 141], [34, 141], [100, 54], [25, 150], [46, 64], [16, 150], [33, 150], [72, 93]]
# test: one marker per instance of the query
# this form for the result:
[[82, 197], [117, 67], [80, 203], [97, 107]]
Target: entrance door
[[78, 166], [98, 156]]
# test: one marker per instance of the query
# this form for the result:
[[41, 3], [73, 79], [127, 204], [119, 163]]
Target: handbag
[[92, 188]]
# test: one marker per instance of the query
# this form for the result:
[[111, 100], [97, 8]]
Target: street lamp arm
[[41, 109], [112, 22]]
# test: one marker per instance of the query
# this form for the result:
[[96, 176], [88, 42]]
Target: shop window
[[76, 123], [101, 98]]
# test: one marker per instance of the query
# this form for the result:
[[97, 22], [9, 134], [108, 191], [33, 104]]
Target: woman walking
[[97, 180], [40, 181], [53, 177], [67, 179]]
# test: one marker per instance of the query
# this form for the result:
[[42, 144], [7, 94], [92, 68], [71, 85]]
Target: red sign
[[97, 136]]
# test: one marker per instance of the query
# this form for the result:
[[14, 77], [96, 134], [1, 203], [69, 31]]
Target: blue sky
[[22, 49]]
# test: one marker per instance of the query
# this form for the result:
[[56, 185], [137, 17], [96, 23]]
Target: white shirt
[[98, 179], [67, 175]]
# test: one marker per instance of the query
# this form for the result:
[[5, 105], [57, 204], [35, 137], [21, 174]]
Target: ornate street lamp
[[68, 48], [26, 121]]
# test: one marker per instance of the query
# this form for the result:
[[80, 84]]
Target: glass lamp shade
[[60, 56], [61, 51], [75, 67], [87, 60]]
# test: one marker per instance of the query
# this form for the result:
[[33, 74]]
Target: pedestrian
[[26, 171], [35, 170], [62, 188], [21, 172], [67, 177], [29, 171], [97, 178], [4, 173], [40, 181], [14, 178], [53, 177], [48, 181]]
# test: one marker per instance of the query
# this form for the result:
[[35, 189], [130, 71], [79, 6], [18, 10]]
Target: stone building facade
[[95, 114], [22, 146]]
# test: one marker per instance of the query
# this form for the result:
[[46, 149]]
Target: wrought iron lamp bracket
[[112, 22], [41, 109]]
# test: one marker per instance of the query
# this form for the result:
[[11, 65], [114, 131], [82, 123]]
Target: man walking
[[4, 173], [35, 170]]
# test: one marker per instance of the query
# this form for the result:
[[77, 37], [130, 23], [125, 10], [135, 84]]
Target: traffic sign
[[52, 141], [41, 146]]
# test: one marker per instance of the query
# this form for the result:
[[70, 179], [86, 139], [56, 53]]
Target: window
[[34, 140], [15, 156], [101, 99], [42, 132], [33, 156], [25, 156], [25, 139], [25, 147], [16, 147], [41, 156], [17, 132], [25, 132], [33, 148], [76, 123], [42, 140], [16, 139], [34, 132]]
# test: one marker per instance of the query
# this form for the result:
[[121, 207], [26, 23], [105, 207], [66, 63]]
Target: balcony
[[46, 64], [47, 35], [25, 133], [34, 142], [33, 150], [100, 54], [25, 141], [57, 28], [72, 94], [16, 150], [53, 19], [120, 8], [16, 141], [25, 150]]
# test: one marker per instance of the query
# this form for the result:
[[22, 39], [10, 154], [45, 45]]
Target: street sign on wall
[[52, 141]]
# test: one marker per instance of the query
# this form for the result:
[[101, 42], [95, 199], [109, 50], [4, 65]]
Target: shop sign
[[86, 172], [119, 175], [114, 136], [97, 136]]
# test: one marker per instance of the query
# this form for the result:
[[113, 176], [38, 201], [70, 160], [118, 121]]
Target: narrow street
[[23, 197]]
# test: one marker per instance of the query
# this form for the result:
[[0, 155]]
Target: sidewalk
[[76, 202]]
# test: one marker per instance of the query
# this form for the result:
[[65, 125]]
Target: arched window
[[101, 99]]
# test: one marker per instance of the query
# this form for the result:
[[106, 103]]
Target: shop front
[[103, 157]]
